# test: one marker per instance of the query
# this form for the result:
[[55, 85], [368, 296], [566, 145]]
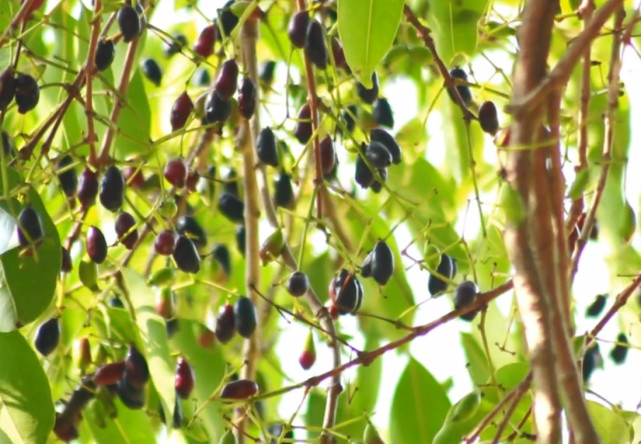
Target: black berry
[[47, 336], [446, 268], [189, 226], [463, 90], [186, 255], [124, 227], [266, 147], [315, 47], [488, 118], [30, 230], [245, 316], [297, 283], [386, 139], [297, 29], [27, 93], [303, 128], [227, 80], [383, 114], [67, 176], [382, 263], [464, 295], [231, 207], [129, 23], [225, 324], [283, 193], [112, 189], [368, 95], [152, 71], [247, 98], [105, 54]]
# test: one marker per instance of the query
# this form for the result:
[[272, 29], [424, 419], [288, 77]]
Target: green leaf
[[26, 407], [476, 360], [419, 407], [367, 30], [609, 424], [23, 298], [134, 123]]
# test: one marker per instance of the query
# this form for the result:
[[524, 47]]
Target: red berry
[[303, 128], [339, 55], [297, 29], [183, 106], [165, 303], [165, 242], [241, 389], [192, 180], [184, 378], [136, 368], [204, 46], [307, 359], [247, 98], [176, 172], [96, 245], [225, 324], [327, 155], [109, 373], [124, 224], [206, 338], [133, 177], [87, 187], [227, 80]]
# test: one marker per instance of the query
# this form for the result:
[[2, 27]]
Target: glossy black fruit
[[112, 189], [227, 19], [222, 256], [383, 114], [217, 109], [464, 295], [245, 316], [297, 29], [27, 93], [204, 45], [346, 292], [185, 378], [124, 224], [382, 263], [152, 71], [189, 226], [303, 128], [240, 389], [180, 111], [366, 268], [446, 269], [488, 118], [315, 47], [225, 324], [378, 155], [363, 175], [230, 184], [47, 336], [30, 230], [96, 245], [67, 175], [247, 98], [87, 187], [129, 23], [227, 80], [231, 207], [348, 117], [266, 147], [596, 307], [386, 139], [267, 70], [463, 90], [7, 88], [105, 54], [283, 190], [591, 359], [241, 239], [136, 368], [297, 283], [186, 255], [620, 351], [130, 395], [178, 42], [368, 95], [377, 185], [328, 156]]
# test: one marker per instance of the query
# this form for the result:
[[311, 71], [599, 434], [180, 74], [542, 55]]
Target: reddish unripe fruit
[[247, 98], [165, 242], [297, 29], [183, 106], [327, 156], [241, 389], [96, 245], [333, 311], [192, 180], [136, 369], [227, 80], [165, 303], [176, 172], [308, 355], [124, 224], [87, 188], [206, 338], [204, 46], [225, 324], [34, 6], [65, 429], [303, 128], [184, 378], [488, 118], [109, 373], [133, 177]]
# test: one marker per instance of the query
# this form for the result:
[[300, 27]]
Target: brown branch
[[518, 391], [89, 70]]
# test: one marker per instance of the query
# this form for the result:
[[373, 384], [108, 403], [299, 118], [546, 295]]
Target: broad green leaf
[[129, 426], [609, 424], [23, 298], [367, 29], [419, 407], [476, 360], [26, 407], [134, 123], [453, 432]]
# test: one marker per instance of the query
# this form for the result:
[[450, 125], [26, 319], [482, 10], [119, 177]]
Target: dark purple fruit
[[383, 114], [112, 189], [176, 172], [297, 29], [463, 90], [105, 54], [348, 117], [178, 42], [165, 242], [382, 263], [327, 156], [230, 184], [366, 268], [620, 351], [30, 230], [183, 106], [217, 109], [204, 45], [378, 155], [488, 118], [189, 226], [240, 389], [377, 185], [247, 98], [124, 224], [152, 71], [596, 307], [283, 191], [267, 70], [129, 23], [227, 19], [315, 47], [386, 139], [297, 283], [266, 147], [66, 266], [7, 88], [136, 368], [231, 207], [303, 128], [110, 374], [339, 55], [221, 255], [227, 80], [130, 395], [346, 292], [464, 295], [186, 255], [96, 245], [368, 95], [225, 324], [185, 378], [591, 359], [47, 336], [67, 175], [245, 316], [87, 187], [446, 268], [363, 175], [27, 93], [241, 239], [115, 302]]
